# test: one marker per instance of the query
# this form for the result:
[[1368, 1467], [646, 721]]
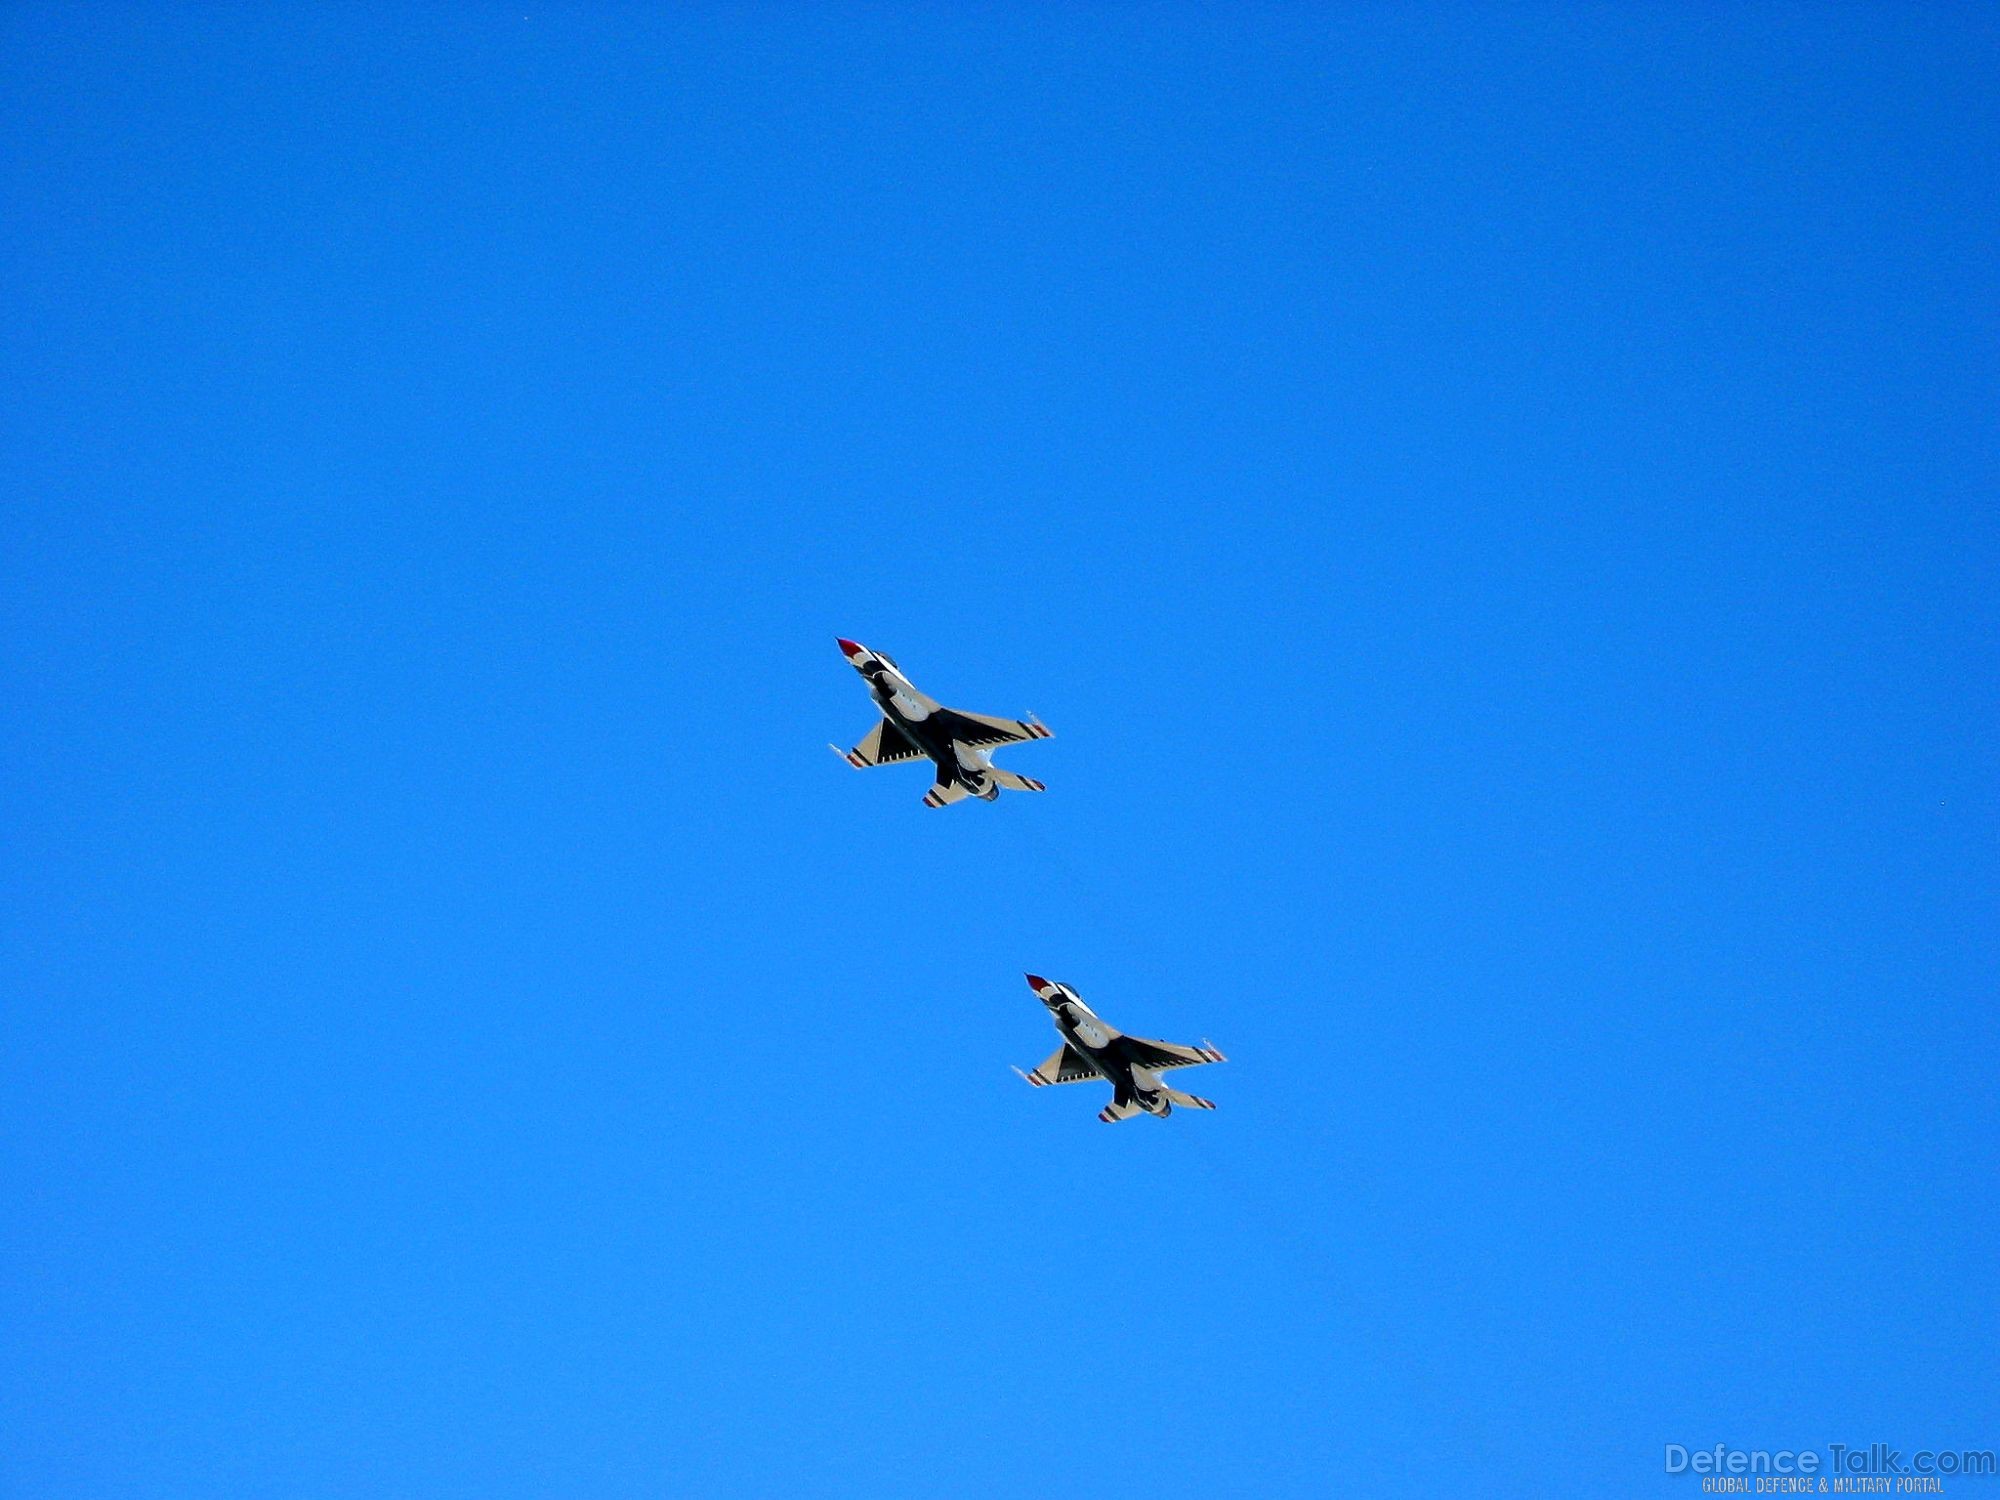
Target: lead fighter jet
[[916, 727], [1130, 1064]]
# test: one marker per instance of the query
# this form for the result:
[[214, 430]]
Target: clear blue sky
[[1499, 511]]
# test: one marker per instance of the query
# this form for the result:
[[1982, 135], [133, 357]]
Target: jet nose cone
[[1038, 984], [851, 649]]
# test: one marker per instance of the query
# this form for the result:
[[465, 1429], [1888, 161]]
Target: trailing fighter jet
[[1130, 1064], [915, 727]]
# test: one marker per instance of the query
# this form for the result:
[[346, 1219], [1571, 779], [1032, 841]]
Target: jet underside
[[914, 726], [1132, 1065]]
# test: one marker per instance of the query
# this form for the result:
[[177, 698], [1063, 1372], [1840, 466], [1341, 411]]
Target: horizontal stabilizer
[[1014, 782]]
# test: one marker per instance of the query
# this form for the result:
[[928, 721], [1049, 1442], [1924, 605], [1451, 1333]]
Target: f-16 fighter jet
[[1130, 1064], [916, 727]]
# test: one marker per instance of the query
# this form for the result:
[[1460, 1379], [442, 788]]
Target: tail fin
[[1188, 1101]]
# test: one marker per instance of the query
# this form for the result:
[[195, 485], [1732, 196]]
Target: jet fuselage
[[1104, 1049], [909, 713]]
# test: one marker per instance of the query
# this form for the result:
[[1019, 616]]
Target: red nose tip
[[1036, 982], [852, 648]]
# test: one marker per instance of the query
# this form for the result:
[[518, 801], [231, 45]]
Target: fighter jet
[[1130, 1064], [915, 727]]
